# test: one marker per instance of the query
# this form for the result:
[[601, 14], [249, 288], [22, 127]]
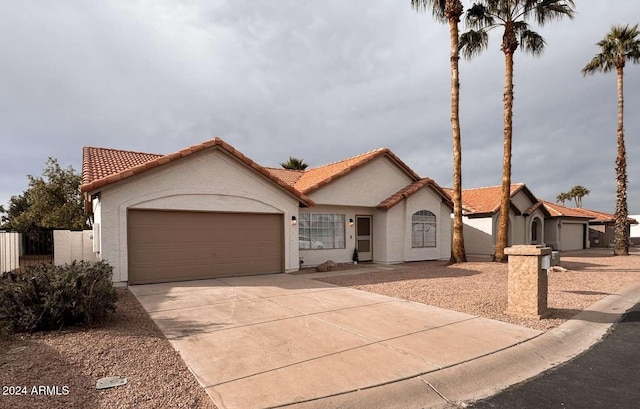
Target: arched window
[[423, 229], [534, 232]]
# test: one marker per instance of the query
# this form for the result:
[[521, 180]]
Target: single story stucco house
[[481, 208], [531, 221], [209, 211]]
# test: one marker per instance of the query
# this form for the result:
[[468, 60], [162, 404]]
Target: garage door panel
[[572, 236], [170, 246]]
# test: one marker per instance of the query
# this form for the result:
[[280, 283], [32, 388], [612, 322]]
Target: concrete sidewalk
[[282, 340]]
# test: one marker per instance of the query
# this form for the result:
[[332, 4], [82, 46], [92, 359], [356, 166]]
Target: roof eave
[[382, 152], [215, 143]]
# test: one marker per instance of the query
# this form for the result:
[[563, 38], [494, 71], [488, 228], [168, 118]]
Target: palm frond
[[532, 43], [478, 17], [620, 45], [473, 42], [437, 8], [599, 63], [544, 11]]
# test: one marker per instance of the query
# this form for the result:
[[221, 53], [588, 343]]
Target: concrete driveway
[[272, 340]]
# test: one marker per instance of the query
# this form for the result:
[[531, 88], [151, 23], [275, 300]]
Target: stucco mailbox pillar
[[527, 281]]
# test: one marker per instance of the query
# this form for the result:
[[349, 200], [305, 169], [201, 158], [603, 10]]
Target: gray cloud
[[320, 80]]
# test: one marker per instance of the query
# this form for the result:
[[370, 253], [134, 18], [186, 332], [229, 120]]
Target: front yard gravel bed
[[129, 345], [480, 288]]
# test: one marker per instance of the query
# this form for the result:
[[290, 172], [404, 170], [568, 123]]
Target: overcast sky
[[322, 80]]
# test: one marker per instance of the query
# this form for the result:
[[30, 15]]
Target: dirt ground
[[68, 363]]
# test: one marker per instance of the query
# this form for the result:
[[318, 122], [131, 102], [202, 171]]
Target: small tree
[[52, 200], [294, 164]]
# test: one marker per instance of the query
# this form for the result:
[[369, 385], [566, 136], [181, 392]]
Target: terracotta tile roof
[[315, 178], [288, 176], [537, 205], [99, 163], [101, 167], [593, 215], [485, 200], [404, 193], [556, 210]]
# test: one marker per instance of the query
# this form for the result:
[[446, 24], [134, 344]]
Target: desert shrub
[[49, 297]]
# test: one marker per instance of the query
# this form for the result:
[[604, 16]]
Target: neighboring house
[[209, 211], [531, 221], [374, 203], [481, 208], [566, 228], [601, 227]]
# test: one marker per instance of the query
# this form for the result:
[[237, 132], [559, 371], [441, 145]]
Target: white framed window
[[321, 231], [423, 229]]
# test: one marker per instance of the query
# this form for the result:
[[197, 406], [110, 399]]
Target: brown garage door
[[173, 245]]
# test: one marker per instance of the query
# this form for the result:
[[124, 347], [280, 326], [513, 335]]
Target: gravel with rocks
[[70, 362], [480, 288]]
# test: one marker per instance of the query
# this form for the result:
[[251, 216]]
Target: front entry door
[[363, 238]]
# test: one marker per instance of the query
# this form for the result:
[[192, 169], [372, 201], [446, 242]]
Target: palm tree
[[577, 193], [294, 164], [450, 11], [512, 16], [562, 197], [620, 45]]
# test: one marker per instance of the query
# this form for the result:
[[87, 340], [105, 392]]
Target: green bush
[[49, 297]]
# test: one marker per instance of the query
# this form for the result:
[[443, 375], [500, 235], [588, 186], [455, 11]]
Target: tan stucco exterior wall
[[366, 186], [206, 181], [391, 239], [478, 235]]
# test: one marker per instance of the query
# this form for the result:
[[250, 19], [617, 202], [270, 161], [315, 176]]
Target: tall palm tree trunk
[[621, 245], [458, 253], [505, 200]]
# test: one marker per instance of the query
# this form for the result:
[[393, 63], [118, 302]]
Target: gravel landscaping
[[132, 346], [480, 288]]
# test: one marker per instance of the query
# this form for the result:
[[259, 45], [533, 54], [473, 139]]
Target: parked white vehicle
[[305, 243]]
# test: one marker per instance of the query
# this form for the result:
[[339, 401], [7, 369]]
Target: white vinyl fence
[[72, 245], [10, 250], [67, 247]]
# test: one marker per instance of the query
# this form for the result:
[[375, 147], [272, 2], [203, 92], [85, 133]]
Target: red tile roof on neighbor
[[315, 178], [593, 215], [404, 193], [556, 210], [485, 200], [101, 167]]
